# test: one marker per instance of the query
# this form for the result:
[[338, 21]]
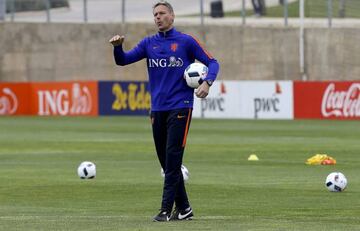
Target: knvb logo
[[341, 103], [174, 47], [268, 104], [76, 101], [8, 102], [171, 62]]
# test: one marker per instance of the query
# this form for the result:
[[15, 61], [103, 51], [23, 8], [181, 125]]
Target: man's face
[[163, 18]]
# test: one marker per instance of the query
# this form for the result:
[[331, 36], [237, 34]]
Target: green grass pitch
[[40, 189]]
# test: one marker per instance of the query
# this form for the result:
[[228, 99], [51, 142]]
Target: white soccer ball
[[336, 182], [184, 170], [195, 73], [87, 170]]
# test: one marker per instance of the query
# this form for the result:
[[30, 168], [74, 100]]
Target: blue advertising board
[[124, 98]]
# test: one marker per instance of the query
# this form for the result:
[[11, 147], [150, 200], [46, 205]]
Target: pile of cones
[[317, 159], [321, 159]]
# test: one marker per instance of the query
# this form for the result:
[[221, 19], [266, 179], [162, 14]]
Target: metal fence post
[[202, 20], [285, 2], [202, 12], [302, 41], [243, 12], [12, 10], [329, 13], [342, 8], [2, 10], [47, 6], [85, 11], [123, 12]]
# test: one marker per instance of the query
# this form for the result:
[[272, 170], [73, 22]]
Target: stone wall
[[33, 5], [60, 52]]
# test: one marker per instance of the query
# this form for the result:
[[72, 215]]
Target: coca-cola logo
[[8, 102], [65, 102], [341, 103]]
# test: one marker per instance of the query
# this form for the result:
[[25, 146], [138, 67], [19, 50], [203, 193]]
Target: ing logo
[[171, 62], [74, 101]]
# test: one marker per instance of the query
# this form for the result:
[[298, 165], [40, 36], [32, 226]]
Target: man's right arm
[[123, 58]]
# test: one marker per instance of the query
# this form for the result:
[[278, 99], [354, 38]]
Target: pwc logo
[[216, 103], [8, 102], [72, 99], [268, 104]]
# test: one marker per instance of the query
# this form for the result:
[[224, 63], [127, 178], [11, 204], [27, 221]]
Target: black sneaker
[[162, 216], [179, 215]]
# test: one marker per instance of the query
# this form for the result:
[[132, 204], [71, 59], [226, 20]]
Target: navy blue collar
[[168, 33]]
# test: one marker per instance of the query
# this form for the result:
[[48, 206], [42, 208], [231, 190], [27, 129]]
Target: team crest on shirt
[[174, 46]]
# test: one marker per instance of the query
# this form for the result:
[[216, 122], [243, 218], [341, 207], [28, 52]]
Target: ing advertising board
[[227, 99], [64, 98]]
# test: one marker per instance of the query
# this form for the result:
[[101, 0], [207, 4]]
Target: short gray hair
[[164, 3]]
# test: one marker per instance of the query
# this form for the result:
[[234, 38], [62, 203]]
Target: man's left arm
[[202, 55]]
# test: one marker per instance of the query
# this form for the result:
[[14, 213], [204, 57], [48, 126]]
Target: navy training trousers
[[170, 130]]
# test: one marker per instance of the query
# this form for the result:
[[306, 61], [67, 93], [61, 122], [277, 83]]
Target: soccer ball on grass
[[195, 73], [336, 182], [87, 170]]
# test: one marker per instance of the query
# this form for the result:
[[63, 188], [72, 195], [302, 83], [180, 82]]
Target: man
[[259, 7], [168, 53]]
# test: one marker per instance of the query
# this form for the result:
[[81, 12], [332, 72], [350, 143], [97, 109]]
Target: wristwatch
[[209, 82]]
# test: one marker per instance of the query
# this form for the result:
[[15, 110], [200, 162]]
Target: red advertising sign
[[14, 98], [327, 100], [64, 98]]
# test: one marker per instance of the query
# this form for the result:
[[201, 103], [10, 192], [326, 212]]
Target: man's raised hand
[[117, 40]]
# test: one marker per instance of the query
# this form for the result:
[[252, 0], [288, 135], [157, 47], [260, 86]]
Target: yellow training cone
[[253, 157]]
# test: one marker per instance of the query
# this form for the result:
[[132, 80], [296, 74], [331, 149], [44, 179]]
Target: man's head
[[163, 15]]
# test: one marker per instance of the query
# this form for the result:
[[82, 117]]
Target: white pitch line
[[32, 217]]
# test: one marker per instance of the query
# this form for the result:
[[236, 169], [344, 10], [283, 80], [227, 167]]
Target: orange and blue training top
[[168, 54]]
